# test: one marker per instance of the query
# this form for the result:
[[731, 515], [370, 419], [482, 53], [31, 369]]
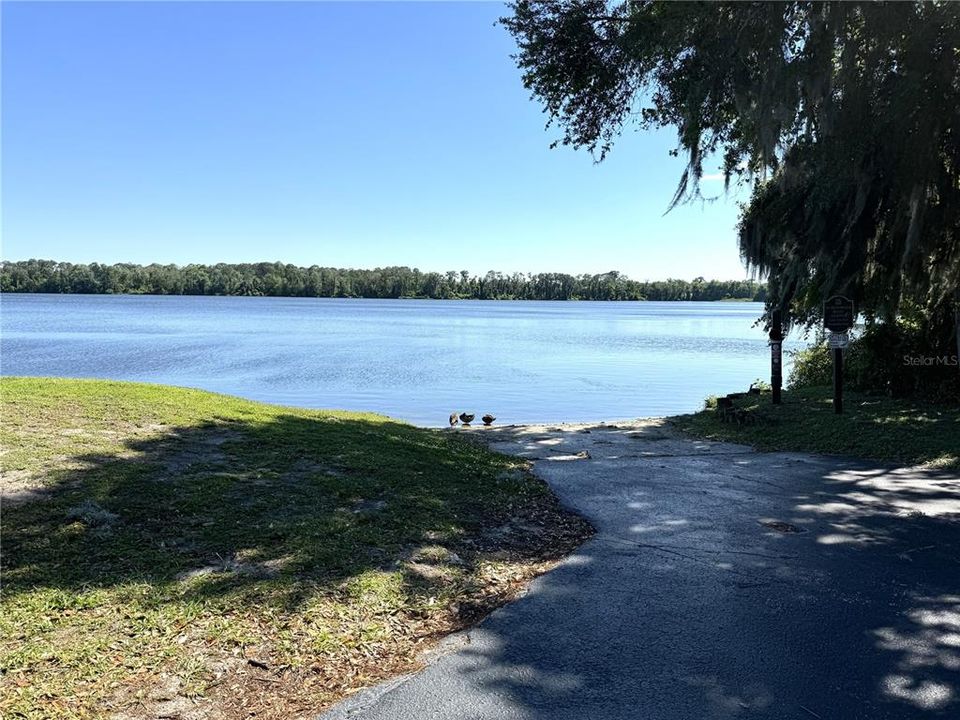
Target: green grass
[[159, 539], [879, 428]]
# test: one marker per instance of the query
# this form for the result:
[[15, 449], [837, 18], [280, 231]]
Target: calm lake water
[[413, 359]]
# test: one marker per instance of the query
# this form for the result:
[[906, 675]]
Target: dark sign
[[838, 314]]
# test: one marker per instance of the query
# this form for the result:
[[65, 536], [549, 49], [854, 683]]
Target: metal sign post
[[838, 319], [776, 354], [838, 381]]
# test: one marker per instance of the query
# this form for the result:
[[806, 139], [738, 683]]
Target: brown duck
[[453, 418], [488, 419], [466, 419]]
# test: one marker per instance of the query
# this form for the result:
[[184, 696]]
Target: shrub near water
[[812, 366], [877, 361], [170, 552]]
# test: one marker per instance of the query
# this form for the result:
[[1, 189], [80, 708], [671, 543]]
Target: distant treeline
[[280, 280]]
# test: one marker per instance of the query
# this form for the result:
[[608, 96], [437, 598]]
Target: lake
[[418, 360]]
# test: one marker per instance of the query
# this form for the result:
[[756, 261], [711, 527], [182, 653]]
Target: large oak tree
[[842, 117]]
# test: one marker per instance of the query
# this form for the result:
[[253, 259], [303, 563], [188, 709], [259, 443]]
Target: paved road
[[722, 583]]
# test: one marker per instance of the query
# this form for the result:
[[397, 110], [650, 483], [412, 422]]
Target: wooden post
[[776, 354], [838, 381]]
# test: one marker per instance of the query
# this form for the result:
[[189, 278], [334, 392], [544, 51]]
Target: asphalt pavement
[[721, 583]]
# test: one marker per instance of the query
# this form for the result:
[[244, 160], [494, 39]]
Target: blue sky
[[344, 134]]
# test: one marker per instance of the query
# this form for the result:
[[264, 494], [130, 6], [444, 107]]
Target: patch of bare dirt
[[238, 565], [18, 487]]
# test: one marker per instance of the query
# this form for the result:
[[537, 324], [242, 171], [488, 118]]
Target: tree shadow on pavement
[[744, 585]]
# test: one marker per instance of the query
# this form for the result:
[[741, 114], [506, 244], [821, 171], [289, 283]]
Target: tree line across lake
[[284, 280]]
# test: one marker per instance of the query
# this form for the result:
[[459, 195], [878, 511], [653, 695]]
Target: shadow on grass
[[261, 562], [279, 507], [893, 430]]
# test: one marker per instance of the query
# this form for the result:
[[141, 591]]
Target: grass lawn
[[172, 552], [880, 428]]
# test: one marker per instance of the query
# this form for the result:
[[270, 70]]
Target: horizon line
[[412, 268]]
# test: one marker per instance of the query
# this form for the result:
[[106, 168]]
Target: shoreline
[[571, 426], [624, 420], [804, 423], [357, 297], [872, 428]]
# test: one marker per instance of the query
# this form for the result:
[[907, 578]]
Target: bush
[[895, 359], [812, 366]]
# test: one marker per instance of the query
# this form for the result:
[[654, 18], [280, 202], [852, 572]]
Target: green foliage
[[278, 279], [843, 116], [902, 359], [899, 359], [761, 385], [812, 366]]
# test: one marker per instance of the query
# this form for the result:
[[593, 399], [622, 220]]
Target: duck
[[453, 418], [488, 419], [466, 418]]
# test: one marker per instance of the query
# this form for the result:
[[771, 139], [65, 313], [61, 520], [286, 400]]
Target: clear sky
[[343, 134]]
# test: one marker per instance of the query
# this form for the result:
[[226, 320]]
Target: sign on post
[[837, 340], [838, 318], [838, 314]]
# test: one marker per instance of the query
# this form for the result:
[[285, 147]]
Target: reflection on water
[[418, 360]]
